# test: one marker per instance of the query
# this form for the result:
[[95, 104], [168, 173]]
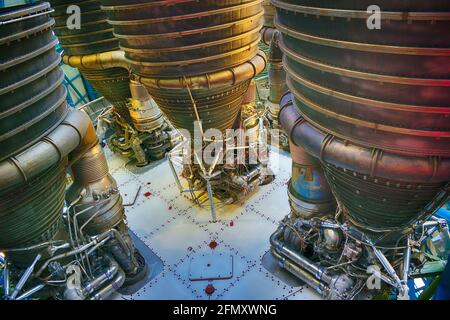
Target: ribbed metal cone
[[370, 96], [114, 85], [32, 97], [32, 104], [178, 39], [94, 36], [27, 217], [217, 108]]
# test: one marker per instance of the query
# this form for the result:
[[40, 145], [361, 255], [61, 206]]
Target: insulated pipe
[[357, 158], [103, 60], [75, 130], [212, 80], [267, 35]]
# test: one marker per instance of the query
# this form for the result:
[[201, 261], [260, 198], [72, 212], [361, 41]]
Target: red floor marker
[[210, 289], [213, 244]]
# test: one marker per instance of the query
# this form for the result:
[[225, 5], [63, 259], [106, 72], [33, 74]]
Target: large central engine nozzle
[[371, 105], [196, 60]]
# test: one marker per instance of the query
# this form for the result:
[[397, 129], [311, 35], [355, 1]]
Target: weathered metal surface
[[31, 92], [187, 40], [113, 84], [269, 13], [373, 105], [185, 37], [378, 88], [217, 108], [94, 36], [27, 217]]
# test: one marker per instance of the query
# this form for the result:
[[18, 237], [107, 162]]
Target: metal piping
[[115, 285], [218, 79], [311, 267], [267, 35], [108, 275], [102, 60], [300, 273], [341, 153], [24, 278], [30, 292], [6, 284], [70, 134]]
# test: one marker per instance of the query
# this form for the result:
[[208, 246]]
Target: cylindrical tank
[[95, 35], [372, 104], [182, 41]]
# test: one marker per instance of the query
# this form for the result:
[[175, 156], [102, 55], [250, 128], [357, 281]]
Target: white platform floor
[[176, 230]]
